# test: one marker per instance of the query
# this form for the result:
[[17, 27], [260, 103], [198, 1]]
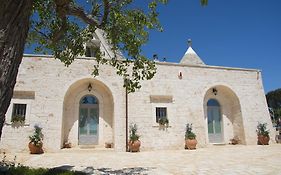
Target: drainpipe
[[126, 98]]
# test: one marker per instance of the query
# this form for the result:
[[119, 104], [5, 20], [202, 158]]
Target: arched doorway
[[88, 121], [88, 114], [223, 115], [214, 121]]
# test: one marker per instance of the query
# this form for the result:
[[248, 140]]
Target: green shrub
[[23, 170], [164, 121], [18, 118], [188, 132], [261, 129], [133, 133], [37, 136]]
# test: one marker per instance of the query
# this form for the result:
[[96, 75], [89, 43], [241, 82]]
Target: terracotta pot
[[190, 143], [108, 145], [35, 149], [134, 146], [67, 145], [263, 140]]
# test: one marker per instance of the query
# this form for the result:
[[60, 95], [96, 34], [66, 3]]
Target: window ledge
[[157, 126], [17, 125]]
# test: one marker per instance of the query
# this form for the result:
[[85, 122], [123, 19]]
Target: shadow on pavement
[[109, 171], [102, 171]]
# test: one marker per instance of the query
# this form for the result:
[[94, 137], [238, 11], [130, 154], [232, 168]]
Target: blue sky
[[234, 33]]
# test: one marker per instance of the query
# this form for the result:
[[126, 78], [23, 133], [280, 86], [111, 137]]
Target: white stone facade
[[183, 89]]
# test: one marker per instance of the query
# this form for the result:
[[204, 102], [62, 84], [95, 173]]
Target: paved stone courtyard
[[227, 159]]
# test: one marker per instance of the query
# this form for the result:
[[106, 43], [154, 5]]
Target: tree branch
[[95, 9], [58, 34], [66, 7], [79, 12], [61, 13], [41, 33], [61, 7], [106, 7]]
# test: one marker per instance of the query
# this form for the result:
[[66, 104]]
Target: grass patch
[[8, 167], [23, 170]]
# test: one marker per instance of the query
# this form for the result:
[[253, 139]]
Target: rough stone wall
[[51, 80], [187, 105]]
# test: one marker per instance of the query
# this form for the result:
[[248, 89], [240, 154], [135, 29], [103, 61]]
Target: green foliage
[[274, 99], [18, 119], [40, 171], [204, 2], [188, 132], [63, 29], [163, 121], [277, 113], [133, 132], [12, 168], [261, 129], [37, 136]]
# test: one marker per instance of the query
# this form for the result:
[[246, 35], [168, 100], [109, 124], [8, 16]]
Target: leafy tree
[[277, 113], [274, 98], [204, 2], [61, 27], [274, 101]]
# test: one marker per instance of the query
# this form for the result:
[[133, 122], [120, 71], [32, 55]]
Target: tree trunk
[[14, 25]]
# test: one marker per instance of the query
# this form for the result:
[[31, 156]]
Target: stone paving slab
[[215, 160]]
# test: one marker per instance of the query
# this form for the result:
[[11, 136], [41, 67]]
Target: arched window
[[213, 102], [89, 100]]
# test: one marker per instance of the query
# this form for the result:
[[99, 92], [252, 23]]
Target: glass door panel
[[210, 122], [214, 124], [217, 120], [83, 121], [88, 121], [93, 122]]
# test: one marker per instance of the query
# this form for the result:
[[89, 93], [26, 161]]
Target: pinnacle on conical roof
[[189, 42], [190, 56]]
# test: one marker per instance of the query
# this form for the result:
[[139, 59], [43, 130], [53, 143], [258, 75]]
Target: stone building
[[73, 106]]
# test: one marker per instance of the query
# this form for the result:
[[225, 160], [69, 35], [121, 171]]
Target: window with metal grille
[[19, 111], [161, 112], [91, 51]]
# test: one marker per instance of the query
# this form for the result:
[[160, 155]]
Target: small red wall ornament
[[180, 75]]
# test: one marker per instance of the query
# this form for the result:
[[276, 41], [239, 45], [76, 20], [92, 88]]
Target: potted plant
[[18, 120], [190, 137], [263, 134], [163, 122], [134, 143], [67, 144], [35, 145], [108, 145], [235, 140]]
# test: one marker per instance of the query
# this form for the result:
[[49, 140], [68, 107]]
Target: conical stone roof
[[190, 57]]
